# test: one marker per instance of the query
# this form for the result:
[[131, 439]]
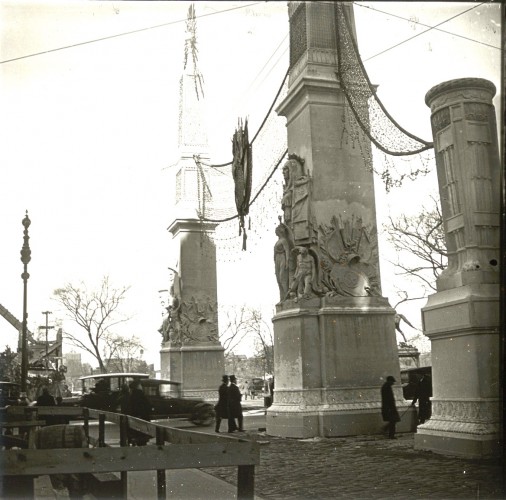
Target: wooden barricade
[[173, 449]]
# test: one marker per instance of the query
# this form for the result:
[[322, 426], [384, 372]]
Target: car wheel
[[203, 415]]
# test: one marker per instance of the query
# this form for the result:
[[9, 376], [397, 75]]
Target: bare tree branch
[[420, 245], [96, 312]]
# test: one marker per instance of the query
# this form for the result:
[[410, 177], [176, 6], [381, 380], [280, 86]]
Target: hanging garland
[[242, 174]]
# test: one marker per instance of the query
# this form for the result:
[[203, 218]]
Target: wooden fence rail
[[173, 449]]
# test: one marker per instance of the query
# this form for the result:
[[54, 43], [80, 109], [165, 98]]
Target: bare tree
[[122, 353], [96, 312], [264, 340], [236, 329], [420, 246]]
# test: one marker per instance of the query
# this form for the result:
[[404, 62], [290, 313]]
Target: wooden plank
[[123, 442], [180, 436], [171, 434], [245, 482], [66, 411], [161, 480], [83, 460], [23, 423]]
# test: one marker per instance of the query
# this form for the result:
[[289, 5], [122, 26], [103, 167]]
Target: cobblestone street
[[365, 467]]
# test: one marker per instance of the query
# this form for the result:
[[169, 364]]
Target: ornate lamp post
[[25, 258]]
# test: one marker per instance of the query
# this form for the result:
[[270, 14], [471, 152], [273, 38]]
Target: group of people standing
[[229, 405]]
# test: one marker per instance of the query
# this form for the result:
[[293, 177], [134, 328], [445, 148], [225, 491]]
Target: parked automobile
[[258, 386], [102, 392], [9, 393], [410, 378]]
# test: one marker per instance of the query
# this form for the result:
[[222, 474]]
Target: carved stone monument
[[191, 351], [334, 334], [462, 318]]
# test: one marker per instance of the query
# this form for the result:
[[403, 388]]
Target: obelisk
[[191, 351], [334, 334], [462, 318]]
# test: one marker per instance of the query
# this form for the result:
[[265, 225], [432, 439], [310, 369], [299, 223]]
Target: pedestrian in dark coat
[[423, 393], [388, 408], [140, 407], [45, 399], [124, 400], [234, 406], [221, 407]]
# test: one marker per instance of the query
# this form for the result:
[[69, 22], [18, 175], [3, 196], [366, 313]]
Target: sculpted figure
[[173, 327], [293, 173], [304, 275], [282, 257], [164, 329]]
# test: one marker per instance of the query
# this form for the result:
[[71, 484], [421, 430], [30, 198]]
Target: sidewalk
[[182, 484]]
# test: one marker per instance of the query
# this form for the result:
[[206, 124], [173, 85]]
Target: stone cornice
[[191, 226], [459, 84]]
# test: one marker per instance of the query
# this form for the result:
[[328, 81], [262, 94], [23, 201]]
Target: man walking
[[221, 407], [388, 408], [234, 406]]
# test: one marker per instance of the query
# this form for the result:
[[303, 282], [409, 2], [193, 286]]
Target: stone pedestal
[[465, 372], [198, 368], [193, 354], [462, 319], [331, 356]]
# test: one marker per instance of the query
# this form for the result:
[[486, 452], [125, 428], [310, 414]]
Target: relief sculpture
[[338, 258], [284, 261], [199, 321], [296, 198], [171, 325], [348, 251]]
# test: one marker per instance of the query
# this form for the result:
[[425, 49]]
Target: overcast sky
[[89, 131]]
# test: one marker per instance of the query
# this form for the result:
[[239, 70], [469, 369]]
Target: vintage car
[[9, 393], [102, 392], [410, 377]]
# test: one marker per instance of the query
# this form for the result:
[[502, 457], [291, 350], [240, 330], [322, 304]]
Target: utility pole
[[25, 258], [46, 313]]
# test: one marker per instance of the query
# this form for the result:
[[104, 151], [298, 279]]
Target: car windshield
[[165, 390], [100, 383]]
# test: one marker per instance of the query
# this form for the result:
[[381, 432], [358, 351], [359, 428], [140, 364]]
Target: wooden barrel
[[61, 436]]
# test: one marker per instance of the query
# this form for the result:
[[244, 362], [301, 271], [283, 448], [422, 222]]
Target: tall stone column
[[334, 334], [462, 318], [191, 351]]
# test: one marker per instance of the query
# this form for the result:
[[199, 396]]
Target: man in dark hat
[[222, 405], [234, 406], [388, 408]]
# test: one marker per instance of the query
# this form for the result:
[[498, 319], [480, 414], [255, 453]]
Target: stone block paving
[[364, 467]]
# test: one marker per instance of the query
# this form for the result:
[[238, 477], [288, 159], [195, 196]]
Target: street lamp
[[26, 254]]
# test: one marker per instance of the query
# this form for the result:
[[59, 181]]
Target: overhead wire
[[125, 33], [427, 25], [423, 32]]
